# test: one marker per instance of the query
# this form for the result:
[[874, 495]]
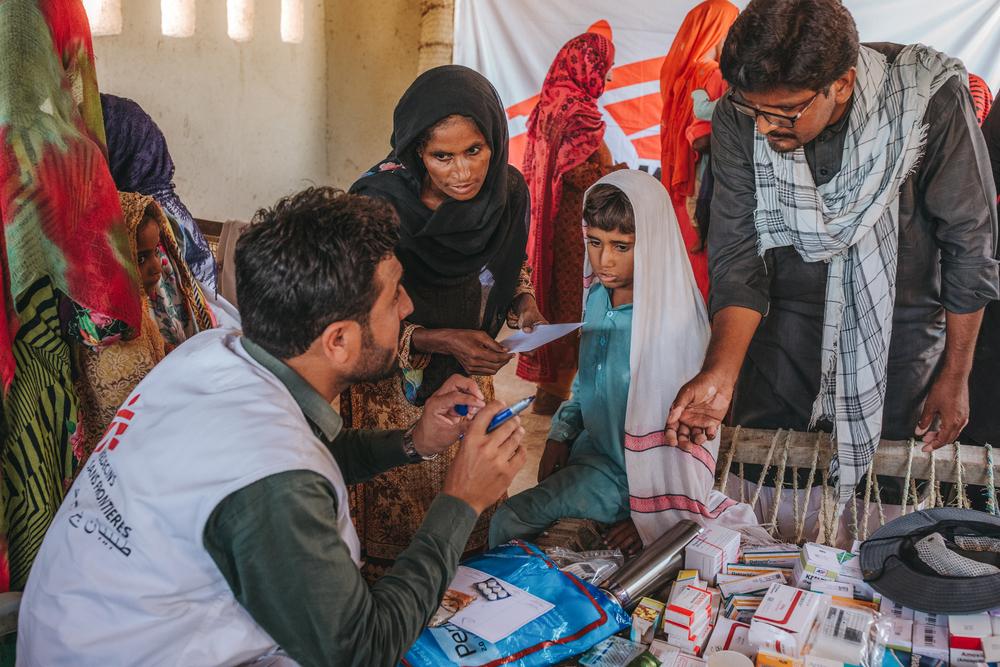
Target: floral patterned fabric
[[169, 307]]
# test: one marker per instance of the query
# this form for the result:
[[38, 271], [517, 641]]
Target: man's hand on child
[[698, 410], [554, 457], [623, 535]]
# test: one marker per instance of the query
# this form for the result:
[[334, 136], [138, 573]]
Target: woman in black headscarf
[[463, 213]]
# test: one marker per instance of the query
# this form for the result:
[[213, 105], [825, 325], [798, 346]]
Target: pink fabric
[[681, 503]]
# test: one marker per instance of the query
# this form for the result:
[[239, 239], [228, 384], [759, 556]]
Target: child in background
[[644, 335], [174, 308]]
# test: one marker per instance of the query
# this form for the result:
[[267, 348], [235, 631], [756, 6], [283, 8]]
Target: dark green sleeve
[[277, 545], [362, 454]]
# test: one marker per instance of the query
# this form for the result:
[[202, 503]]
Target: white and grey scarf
[[852, 224]]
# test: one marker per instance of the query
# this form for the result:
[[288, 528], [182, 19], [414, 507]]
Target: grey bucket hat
[[894, 566]]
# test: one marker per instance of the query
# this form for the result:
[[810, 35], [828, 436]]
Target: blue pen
[[503, 415]]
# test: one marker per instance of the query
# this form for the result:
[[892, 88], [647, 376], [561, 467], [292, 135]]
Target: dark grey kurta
[[947, 241], [984, 383]]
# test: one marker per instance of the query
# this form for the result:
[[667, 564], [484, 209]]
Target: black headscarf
[[444, 251]]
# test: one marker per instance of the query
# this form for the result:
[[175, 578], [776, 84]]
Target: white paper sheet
[[497, 619], [543, 333]]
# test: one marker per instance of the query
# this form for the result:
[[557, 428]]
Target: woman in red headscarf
[[692, 64], [565, 155], [982, 96]]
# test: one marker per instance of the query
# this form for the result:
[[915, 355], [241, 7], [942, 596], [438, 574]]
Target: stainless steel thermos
[[654, 567]]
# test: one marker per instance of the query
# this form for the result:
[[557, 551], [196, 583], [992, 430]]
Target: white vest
[[123, 577]]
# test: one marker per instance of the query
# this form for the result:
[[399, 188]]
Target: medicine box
[[751, 585], [960, 657], [645, 619], [770, 659], [711, 551], [781, 555], [930, 641], [785, 618], [926, 618], [900, 634], [895, 610], [970, 625], [843, 634], [729, 635], [833, 588], [689, 607], [664, 652]]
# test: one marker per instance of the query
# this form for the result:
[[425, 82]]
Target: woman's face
[[147, 239], [457, 158]]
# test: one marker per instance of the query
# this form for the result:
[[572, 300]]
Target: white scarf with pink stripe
[[670, 332]]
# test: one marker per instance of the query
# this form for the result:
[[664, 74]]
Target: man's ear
[[845, 86], [341, 343]]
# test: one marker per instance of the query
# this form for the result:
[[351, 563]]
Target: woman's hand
[[528, 315], [623, 535], [478, 353], [554, 458]]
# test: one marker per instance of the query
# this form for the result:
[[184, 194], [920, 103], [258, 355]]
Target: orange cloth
[[710, 80], [602, 28], [704, 27], [690, 65]]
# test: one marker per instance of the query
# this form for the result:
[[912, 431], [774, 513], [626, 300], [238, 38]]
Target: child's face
[[612, 257], [147, 238]]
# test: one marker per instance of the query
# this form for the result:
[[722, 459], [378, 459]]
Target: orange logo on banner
[[633, 115]]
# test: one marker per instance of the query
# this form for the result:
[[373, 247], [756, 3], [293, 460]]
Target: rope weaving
[[729, 461], [906, 480], [763, 473], [780, 479], [743, 486], [961, 466], [809, 486], [932, 484], [960, 498], [878, 502]]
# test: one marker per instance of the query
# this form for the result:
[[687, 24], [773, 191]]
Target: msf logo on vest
[[120, 423]]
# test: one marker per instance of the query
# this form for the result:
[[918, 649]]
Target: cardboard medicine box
[[730, 635], [645, 619], [785, 618], [711, 551]]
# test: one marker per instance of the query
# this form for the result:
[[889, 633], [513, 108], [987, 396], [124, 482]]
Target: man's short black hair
[[607, 208], [795, 44], [309, 261]]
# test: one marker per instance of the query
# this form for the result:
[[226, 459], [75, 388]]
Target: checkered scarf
[[852, 223]]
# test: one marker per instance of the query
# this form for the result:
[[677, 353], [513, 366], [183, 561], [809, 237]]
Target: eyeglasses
[[776, 119]]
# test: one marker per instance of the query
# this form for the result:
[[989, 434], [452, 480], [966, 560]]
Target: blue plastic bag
[[582, 617]]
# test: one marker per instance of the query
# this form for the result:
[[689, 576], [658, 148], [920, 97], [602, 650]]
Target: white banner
[[513, 42]]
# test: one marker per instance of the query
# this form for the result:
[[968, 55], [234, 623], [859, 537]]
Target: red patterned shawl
[[564, 130]]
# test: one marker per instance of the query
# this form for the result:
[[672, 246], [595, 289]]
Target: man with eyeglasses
[[852, 240]]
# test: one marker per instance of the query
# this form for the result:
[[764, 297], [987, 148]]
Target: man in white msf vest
[[211, 524]]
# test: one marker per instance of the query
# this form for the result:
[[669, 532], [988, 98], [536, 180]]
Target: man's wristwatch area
[[410, 449]]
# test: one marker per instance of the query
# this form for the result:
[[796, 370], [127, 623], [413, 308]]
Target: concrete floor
[[510, 388]]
